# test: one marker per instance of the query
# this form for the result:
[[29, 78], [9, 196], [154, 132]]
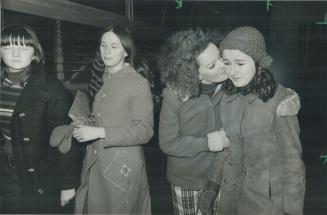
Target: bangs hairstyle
[[24, 36], [126, 40], [263, 85]]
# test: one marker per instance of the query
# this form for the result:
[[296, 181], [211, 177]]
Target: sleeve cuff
[[68, 183]]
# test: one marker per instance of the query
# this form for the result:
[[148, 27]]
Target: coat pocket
[[258, 181], [124, 170]]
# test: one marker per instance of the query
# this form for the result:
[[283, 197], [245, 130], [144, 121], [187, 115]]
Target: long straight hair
[[126, 39]]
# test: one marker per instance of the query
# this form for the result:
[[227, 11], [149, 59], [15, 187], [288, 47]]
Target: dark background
[[297, 43]]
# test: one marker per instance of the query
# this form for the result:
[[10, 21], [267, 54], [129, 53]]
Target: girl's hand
[[86, 133], [217, 141], [66, 196]]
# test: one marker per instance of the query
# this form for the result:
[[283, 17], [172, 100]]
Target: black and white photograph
[[163, 107]]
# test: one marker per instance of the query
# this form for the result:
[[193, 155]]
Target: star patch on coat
[[125, 170]]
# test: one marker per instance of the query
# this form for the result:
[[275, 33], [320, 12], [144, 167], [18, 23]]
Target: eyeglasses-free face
[[17, 56], [112, 51], [239, 67]]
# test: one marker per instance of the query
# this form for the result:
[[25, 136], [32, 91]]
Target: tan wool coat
[[114, 179], [264, 173]]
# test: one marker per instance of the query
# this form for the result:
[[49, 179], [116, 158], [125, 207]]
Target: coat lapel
[[34, 93]]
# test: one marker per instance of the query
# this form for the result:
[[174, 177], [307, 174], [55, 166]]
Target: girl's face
[[239, 67], [211, 68], [17, 57], [112, 51]]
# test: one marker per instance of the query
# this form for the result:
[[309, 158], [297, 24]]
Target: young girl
[[34, 176], [114, 179], [264, 173]]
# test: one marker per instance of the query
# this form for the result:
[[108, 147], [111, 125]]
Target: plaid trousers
[[186, 201]]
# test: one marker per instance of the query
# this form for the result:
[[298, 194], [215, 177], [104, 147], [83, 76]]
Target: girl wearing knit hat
[[265, 155]]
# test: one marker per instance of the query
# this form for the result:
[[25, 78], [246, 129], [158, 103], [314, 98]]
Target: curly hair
[[177, 61], [214, 37], [263, 84], [147, 67]]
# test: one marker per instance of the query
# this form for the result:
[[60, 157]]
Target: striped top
[[9, 94]]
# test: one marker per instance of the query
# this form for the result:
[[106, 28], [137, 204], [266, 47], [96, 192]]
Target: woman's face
[[239, 67], [17, 57], [112, 51], [211, 68]]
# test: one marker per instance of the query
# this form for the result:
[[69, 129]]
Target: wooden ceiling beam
[[77, 13]]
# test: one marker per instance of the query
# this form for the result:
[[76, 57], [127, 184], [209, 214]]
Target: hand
[[290, 106], [207, 197], [217, 141], [86, 133], [66, 196]]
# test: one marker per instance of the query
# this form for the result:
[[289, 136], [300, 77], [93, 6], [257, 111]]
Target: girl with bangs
[[35, 178]]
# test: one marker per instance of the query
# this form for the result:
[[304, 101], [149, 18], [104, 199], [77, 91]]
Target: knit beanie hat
[[251, 42]]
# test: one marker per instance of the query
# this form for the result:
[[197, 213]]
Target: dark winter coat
[[43, 171]]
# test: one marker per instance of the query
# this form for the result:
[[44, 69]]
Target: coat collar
[[218, 95], [250, 98], [36, 78], [120, 73], [34, 93]]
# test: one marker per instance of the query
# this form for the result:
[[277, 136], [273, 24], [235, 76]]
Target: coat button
[[21, 114], [30, 170], [95, 152], [40, 191], [26, 139]]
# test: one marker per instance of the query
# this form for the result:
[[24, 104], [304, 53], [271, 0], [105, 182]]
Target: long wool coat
[[114, 179], [42, 170], [264, 174]]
